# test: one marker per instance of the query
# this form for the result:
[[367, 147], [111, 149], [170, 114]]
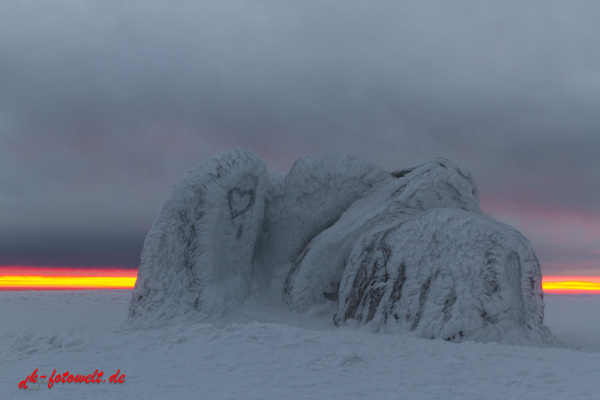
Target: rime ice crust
[[316, 274], [446, 274], [406, 251], [309, 199], [197, 256]]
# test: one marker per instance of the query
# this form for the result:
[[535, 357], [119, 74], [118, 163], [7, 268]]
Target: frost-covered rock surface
[[316, 274], [407, 251], [446, 274], [309, 199], [198, 253]]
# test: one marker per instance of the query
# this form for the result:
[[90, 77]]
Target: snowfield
[[264, 351]]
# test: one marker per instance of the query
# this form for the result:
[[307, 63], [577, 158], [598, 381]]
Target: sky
[[105, 104]]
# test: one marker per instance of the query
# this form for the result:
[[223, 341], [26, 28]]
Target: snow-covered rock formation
[[317, 272], [448, 274], [309, 199], [405, 251], [303, 203], [198, 253]]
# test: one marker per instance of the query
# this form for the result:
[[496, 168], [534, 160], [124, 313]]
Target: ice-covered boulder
[[446, 274], [308, 200], [406, 251], [316, 274], [197, 256]]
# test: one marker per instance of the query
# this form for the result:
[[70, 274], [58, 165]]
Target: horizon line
[[68, 278]]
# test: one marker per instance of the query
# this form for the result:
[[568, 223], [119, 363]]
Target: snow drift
[[407, 251]]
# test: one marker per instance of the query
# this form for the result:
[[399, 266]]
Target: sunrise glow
[[68, 282], [31, 278], [51, 278], [571, 284]]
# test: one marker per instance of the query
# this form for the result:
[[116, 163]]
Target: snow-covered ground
[[281, 355]]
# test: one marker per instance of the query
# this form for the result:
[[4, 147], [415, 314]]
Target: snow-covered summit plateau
[[407, 251]]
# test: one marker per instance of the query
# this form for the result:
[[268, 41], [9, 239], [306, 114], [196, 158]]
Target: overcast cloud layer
[[104, 104]]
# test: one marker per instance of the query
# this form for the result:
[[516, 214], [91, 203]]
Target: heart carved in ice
[[240, 201]]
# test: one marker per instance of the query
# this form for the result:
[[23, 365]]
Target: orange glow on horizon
[[67, 282], [571, 284], [48, 278], [61, 278]]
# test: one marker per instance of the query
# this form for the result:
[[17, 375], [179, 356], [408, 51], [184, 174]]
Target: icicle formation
[[405, 251]]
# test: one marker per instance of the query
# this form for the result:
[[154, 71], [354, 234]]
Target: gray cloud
[[103, 105], [76, 247]]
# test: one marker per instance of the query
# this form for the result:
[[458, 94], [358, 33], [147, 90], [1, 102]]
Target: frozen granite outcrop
[[448, 274], [198, 253], [408, 251], [316, 274], [309, 199]]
